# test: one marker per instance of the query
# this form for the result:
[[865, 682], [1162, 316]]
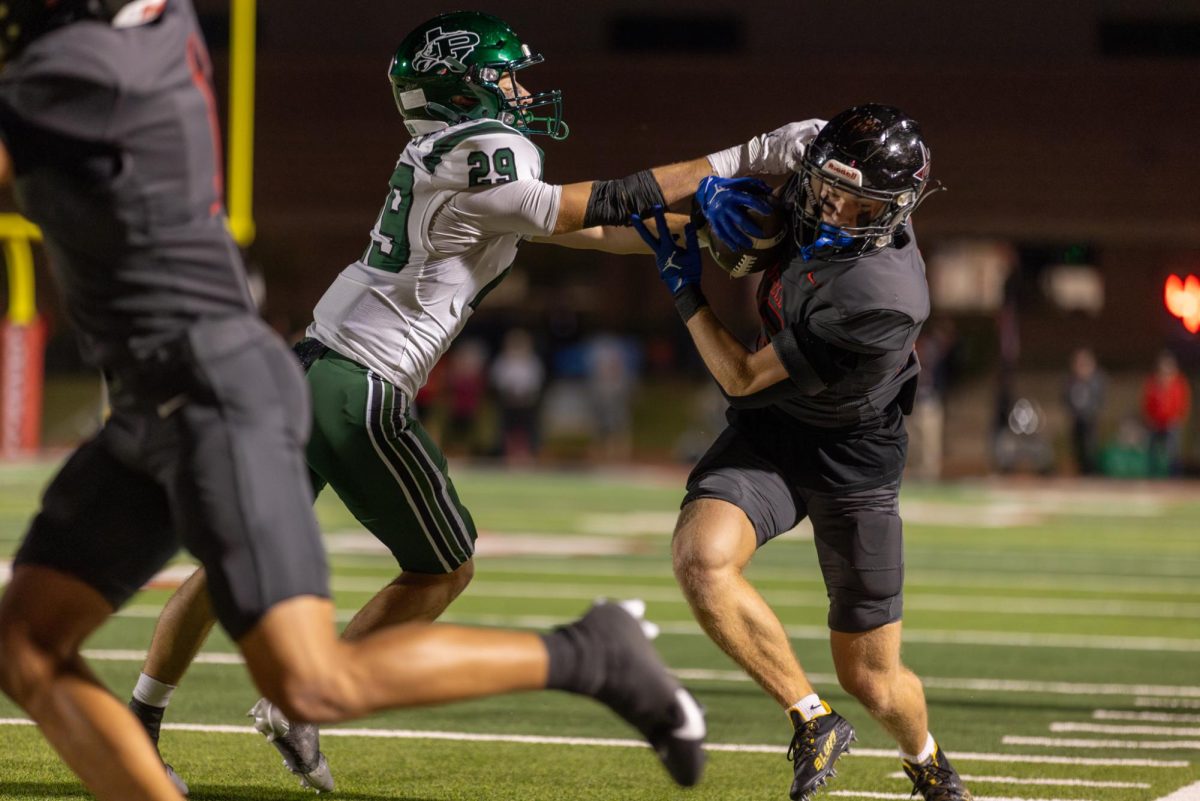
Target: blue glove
[[724, 203], [677, 267]]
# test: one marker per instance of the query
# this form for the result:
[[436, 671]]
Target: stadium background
[[1054, 622], [1063, 132]]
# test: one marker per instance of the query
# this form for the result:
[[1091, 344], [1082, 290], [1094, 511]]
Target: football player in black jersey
[[816, 430]]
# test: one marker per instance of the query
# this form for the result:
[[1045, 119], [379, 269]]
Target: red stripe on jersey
[[201, 69]]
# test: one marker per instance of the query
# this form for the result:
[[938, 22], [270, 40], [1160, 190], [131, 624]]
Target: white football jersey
[[460, 202]]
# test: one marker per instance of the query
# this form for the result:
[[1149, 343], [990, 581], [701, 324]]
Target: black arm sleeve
[[611, 202]]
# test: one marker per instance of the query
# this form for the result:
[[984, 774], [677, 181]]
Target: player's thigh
[[241, 492], [102, 521], [385, 468], [860, 548], [733, 471]]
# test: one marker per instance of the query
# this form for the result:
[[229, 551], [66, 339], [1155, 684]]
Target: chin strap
[[828, 236]]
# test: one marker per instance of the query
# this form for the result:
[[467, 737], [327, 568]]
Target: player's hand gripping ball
[[743, 226]]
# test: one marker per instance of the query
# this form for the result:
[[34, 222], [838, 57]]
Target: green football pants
[[380, 461]]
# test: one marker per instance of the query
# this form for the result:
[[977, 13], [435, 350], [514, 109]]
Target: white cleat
[[298, 743], [636, 608]]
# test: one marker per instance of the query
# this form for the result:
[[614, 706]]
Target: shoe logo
[[693, 727], [822, 759]]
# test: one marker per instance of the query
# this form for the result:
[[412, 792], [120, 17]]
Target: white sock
[[926, 752], [152, 692], [809, 707]]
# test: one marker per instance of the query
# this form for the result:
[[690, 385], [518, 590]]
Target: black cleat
[[151, 719], [632, 680], [298, 743], [936, 779], [815, 748]]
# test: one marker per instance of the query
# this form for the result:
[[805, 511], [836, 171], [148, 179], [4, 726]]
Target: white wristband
[[730, 162]]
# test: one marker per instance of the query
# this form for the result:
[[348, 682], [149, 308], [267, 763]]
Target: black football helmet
[[874, 153]]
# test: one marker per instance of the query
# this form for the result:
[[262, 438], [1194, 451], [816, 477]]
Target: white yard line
[[1146, 717], [1168, 703], [1103, 728], [739, 748], [930, 636], [967, 777], [1189, 793], [737, 676], [1133, 745], [1035, 606]]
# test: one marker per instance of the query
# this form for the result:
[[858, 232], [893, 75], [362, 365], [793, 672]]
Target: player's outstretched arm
[[592, 203], [610, 238]]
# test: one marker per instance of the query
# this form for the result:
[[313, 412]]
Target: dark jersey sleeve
[[57, 91], [826, 347]]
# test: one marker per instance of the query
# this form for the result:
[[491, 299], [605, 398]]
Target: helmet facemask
[[517, 109], [882, 213]]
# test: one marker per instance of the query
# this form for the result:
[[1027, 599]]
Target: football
[[764, 251]]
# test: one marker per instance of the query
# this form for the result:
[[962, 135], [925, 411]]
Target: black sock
[[574, 663], [149, 716]]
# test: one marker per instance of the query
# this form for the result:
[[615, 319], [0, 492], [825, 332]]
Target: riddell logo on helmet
[[923, 172], [843, 171], [445, 49]]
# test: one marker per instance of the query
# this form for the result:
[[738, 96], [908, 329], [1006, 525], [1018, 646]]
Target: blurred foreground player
[[109, 137], [816, 430], [465, 193]]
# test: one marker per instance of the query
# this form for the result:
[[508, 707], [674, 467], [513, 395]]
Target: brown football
[[764, 251]]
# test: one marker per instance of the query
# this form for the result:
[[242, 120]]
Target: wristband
[[688, 301], [730, 162]]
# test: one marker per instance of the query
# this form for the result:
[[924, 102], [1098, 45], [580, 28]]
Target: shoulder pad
[[480, 154]]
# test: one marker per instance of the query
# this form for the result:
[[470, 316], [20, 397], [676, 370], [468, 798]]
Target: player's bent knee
[[25, 666]]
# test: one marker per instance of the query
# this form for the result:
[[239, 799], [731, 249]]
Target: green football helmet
[[448, 70]]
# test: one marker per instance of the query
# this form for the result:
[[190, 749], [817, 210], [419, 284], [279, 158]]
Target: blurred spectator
[[518, 376], [466, 384], [1125, 456], [927, 421], [1084, 397], [1166, 401], [611, 381], [706, 420]]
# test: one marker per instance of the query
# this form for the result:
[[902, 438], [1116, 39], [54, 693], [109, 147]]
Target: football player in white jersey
[[465, 192]]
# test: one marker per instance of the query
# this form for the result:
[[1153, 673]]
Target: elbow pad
[[611, 202]]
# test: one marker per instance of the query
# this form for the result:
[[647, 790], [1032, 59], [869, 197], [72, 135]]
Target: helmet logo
[[843, 171], [923, 173], [447, 49]]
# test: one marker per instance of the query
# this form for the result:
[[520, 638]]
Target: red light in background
[[1182, 298]]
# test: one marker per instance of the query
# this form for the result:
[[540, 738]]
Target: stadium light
[[1182, 299]]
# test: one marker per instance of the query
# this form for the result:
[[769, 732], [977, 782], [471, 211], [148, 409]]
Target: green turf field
[[1056, 626]]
